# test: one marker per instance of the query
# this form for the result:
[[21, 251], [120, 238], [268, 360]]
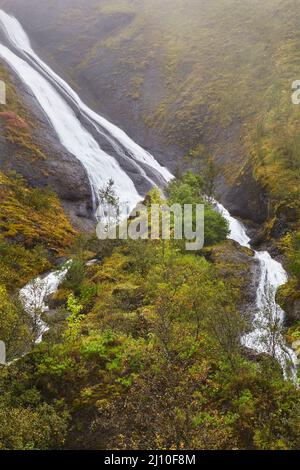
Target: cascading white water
[[44, 84], [267, 334], [237, 230], [19, 39], [74, 137], [33, 296]]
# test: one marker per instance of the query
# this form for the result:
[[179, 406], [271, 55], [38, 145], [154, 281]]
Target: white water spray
[[269, 314], [33, 296], [74, 137]]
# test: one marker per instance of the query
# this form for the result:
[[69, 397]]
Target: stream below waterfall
[[267, 336], [34, 297], [72, 120]]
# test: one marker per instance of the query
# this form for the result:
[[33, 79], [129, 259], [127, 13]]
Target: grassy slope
[[216, 64], [20, 136], [33, 229]]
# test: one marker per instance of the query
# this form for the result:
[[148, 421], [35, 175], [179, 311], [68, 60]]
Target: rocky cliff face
[[289, 298], [247, 199], [29, 146]]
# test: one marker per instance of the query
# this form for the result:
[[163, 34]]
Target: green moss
[[32, 225], [288, 293]]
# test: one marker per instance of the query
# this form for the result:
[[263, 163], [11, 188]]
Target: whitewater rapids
[[268, 313], [33, 297]]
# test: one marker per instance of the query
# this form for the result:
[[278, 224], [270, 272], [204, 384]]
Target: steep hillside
[[29, 146], [145, 347], [39, 185], [34, 233], [189, 79]]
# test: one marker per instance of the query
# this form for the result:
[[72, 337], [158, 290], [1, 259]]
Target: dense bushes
[[189, 189], [163, 366], [144, 352], [32, 227], [294, 256]]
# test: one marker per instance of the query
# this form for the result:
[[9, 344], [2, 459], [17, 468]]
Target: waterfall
[[74, 137], [269, 317], [33, 297], [54, 96], [66, 111]]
